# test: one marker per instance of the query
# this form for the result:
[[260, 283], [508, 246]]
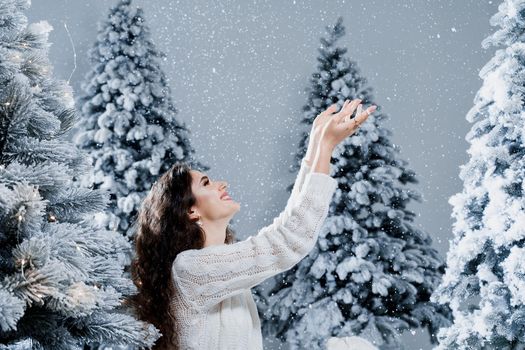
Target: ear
[[193, 215]]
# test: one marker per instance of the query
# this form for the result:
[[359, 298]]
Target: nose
[[224, 184]]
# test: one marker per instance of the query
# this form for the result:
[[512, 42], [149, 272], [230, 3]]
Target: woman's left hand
[[317, 128], [320, 121]]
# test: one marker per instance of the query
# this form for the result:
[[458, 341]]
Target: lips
[[225, 196]]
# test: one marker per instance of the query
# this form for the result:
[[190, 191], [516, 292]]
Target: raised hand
[[320, 121], [315, 133], [337, 127]]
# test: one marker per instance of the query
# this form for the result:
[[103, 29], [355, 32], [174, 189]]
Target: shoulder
[[189, 258], [180, 261]]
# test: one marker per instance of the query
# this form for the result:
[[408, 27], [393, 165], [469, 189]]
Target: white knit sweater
[[213, 305]]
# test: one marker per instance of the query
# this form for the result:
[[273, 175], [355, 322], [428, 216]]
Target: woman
[[193, 281]]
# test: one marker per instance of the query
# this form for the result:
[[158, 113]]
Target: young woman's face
[[208, 194]]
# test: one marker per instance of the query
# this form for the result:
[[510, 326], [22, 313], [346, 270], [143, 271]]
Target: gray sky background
[[238, 70]]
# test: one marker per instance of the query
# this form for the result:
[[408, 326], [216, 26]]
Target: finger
[[351, 108], [348, 110], [345, 106], [359, 109], [357, 112], [346, 102], [328, 113], [358, 120], [329, 110], [369, 111]]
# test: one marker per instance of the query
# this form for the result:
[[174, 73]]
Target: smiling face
[[213, 210]]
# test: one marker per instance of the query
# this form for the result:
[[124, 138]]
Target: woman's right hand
[[338, 127]]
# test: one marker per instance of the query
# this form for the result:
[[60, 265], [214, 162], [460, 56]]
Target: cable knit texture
[[213, 303]]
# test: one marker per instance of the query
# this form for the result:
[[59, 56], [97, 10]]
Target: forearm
[[321, 162], [310, 152]]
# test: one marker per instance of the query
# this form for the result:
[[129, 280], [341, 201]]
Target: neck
[[215, 232]]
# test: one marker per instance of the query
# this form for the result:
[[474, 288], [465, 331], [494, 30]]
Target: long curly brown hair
[[163, 229]]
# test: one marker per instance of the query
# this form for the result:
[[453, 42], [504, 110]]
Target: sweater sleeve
[[209, 275], [298, 184]]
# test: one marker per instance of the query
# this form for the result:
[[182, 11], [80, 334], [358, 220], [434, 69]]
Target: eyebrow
[[202, 178]]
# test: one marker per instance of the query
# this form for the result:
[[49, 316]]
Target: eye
[[206, 182]]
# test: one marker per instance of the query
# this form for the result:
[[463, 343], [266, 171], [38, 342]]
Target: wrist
[[326, 148], [321, 163]]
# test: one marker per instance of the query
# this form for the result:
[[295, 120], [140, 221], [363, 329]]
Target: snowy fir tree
[[129, 124], [372, 271], [61, 280], [484, 281]]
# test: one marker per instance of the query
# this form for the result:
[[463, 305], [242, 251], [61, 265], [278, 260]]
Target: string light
[[52, 218], [22, 263], [74, 52], [20, 215]]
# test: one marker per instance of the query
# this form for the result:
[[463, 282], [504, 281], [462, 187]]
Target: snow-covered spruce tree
[[372, 271], [61, 280], [484, 281], [129, 124]]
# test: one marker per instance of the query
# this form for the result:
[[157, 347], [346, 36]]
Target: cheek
[[207, 199], [208, 196]]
